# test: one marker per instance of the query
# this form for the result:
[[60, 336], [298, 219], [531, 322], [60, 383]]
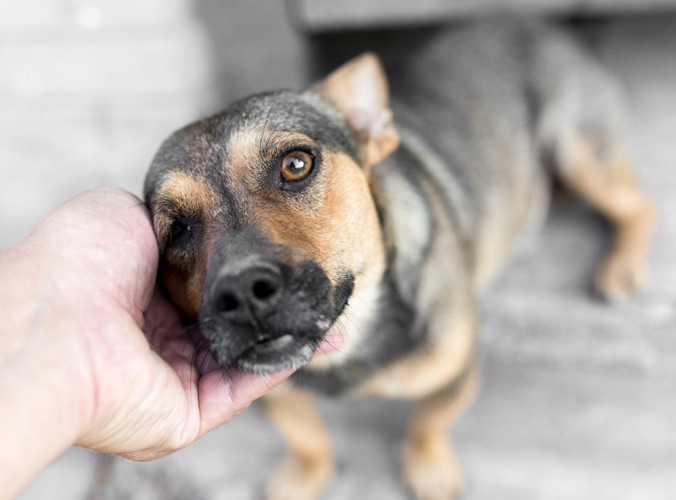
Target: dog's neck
[[357, 319]]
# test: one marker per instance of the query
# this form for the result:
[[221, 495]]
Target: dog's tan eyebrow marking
[[186, 193], [181, 193]]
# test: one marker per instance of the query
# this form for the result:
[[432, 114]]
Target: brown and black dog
[[371, 215]]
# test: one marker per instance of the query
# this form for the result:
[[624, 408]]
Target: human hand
[[80, 293]]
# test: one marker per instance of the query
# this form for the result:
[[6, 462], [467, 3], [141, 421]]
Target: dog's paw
[[433, 472], [299, 479], [619, 277]]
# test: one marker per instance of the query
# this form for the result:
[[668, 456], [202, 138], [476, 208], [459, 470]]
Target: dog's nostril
[[264, 289], [228, 303], [247, 295]]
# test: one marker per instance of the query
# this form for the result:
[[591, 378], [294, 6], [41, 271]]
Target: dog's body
[[380, 235]]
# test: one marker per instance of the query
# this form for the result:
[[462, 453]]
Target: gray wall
[[89, 88]]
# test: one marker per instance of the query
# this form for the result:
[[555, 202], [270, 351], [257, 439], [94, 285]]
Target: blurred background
[[578, 398]]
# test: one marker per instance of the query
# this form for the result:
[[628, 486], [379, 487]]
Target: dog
[[345, 231]]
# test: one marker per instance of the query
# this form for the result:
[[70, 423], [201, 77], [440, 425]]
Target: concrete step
[[543, 309]]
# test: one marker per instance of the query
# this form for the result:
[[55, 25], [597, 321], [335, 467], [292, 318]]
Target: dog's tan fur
[[309, 468], [608, 184], [428, 372], [430, 465]]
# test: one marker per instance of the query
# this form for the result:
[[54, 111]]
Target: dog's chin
[[281, 354]]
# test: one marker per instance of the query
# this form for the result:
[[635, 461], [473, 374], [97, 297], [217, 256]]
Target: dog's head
[[265, 219]]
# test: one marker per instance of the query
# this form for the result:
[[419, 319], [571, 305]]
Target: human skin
[[91, 354]]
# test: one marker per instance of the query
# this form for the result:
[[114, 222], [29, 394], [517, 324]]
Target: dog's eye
[[296, 165], [178, 230]]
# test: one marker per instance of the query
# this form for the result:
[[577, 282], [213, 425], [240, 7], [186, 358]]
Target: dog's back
[[482, 108]]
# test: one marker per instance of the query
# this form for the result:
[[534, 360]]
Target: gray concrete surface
[[578, 396], [329, 15]]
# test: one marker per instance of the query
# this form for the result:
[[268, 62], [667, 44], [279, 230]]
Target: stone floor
[[578, 396]]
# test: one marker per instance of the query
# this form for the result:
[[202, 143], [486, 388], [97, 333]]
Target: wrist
[[40, 371]]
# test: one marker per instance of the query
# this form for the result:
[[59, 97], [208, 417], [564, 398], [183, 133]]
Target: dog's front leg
[[309, 468], [431, 468]]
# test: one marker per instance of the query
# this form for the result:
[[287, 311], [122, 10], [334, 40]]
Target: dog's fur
[[398, 225]]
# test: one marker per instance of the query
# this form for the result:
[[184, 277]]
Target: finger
[[225, 393]]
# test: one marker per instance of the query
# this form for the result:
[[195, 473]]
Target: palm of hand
[[144, 394]]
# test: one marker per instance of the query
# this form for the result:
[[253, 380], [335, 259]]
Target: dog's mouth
[[287, 352], [271, 352], [267, 351]]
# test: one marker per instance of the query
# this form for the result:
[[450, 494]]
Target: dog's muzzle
[[260, 313]]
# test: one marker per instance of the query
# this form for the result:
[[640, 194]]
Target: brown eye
[[296, 165]]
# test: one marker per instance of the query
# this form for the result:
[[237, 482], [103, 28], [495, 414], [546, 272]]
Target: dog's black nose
[[248, 294]]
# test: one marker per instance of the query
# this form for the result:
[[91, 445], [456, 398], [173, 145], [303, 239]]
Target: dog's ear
[[359, 91]]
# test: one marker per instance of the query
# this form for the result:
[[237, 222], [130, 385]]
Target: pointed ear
[[359, 91]]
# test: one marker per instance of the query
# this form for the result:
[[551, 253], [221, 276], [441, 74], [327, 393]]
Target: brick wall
[[89, 88], [87, 91]]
